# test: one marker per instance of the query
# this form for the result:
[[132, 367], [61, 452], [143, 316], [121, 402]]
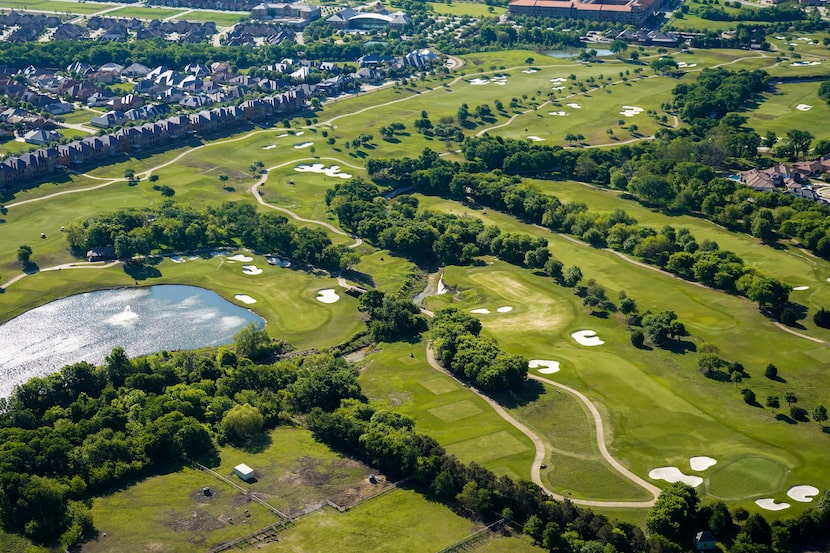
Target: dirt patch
[[198, 521]]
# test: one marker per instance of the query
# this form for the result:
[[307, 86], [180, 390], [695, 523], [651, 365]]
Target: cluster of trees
[[391, 318], [174, 227], [678, 515], [772, 14], [716, 92], [458, 345], [425, 235], [675, 250]]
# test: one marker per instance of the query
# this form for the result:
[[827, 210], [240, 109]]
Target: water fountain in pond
[[126, 318]]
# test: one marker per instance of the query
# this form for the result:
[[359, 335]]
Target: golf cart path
[[536, 467]]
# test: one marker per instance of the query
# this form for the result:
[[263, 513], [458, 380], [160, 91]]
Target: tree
[[820, 414], [674, 515], [771, 372], [638, 339], [618, 46], [153, 178], [824, 91], [773, 402], [790, 398], [253, 343], [241, 424], [800, 141], [749, 396], [572, 276], [822, 318], [662, 326], [24, 255]]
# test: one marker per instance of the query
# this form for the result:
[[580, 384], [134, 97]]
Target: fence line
[[248, 493], [473, 539], [270, 530]]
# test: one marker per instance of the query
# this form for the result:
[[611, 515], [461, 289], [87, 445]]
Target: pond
[[86, 327]]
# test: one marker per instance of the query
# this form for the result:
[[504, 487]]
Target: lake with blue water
[[86, 327]]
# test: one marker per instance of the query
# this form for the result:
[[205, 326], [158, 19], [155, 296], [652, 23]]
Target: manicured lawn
[[145, 13], [55, 6], [778, 110], [222, 19], [461, 422], [79, 116], [467, 8], [631, 386], [383, 271]]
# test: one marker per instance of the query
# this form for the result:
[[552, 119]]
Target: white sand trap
[[251, 270], [218, 254], [802, 494], [442, 287], [193, 257], [284, 263], [673, 474], [299, 133], [327, 296], [780, 38], [505, 309], [500, 82], [803, 107], [702, 462], [801, 288], [631, 111], [269, 147], [770, 505], [530, 71], [573, 105], [558, 113], [805, 39], [244, 298], [303, 145], [534, 138], [333, 171], [804, 63], [177, 259], [240, 257], [545, 366], [283, 135], [480, 311], [587, 338], [559, 80], [558, 88], [684, 64], [478, 82]]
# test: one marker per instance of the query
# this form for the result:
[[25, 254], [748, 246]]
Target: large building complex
[[634, 12]]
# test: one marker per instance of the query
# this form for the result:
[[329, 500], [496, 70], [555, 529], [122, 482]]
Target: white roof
[[242, 468]]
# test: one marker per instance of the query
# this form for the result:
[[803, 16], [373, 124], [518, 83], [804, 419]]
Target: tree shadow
[[678, 346], [359, 277], [141, 271], [30, 268], [512, 399], [784, 418], [392, 140], [256, 445]]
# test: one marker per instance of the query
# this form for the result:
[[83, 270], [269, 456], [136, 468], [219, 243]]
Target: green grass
[[461, 422], [777, 110], [467, 8], [747, 476], [222, 19], [55, 6], [80, 116], [383, 271], [627, 384], [145, 13]]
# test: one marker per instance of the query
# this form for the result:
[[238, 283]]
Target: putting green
[[749, 476], [456, 411]]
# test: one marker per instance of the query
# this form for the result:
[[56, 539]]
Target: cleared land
[[467, 8], [145, 13], [55, 6]]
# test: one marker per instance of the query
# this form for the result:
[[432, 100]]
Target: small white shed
[[244, 472]]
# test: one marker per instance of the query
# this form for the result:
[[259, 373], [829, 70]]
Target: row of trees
[[675, 250], [173, 227]]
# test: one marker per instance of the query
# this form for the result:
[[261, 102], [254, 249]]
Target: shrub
[[637, 339]]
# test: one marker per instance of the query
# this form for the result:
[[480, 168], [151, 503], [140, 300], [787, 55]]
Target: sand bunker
[[251, 270], [587, 338], [673, 474], [480, 311], [327, 296], [802, 494], [573, 105], [684, 64], [269, 147], [702, 463], [240, 257], [558, 88], [801, 288], [631, 111], [804, 63], [283, 135], [545, 366], [559, 80], [219, 254], [505, 309], [303, 145], [299, 133], [770, 505], [530, 71], [534, 138], [244, 298], [803, 107], [333, 171], [177, 259], [558, 113], [284, 263]]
